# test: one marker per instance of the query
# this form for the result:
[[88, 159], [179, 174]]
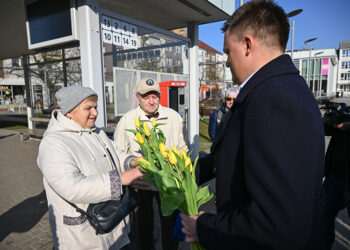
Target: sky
[[328, 20]]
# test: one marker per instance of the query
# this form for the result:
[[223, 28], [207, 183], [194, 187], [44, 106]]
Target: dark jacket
[[338, 153], [214, 121], [269, 158]]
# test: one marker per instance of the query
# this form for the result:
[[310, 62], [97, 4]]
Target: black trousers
[[143, 220]]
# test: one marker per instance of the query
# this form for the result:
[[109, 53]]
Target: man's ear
[[248, 44], [69, 115], [137, 98]]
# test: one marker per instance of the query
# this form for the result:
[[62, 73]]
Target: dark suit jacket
[[269, 158], [338, 153]]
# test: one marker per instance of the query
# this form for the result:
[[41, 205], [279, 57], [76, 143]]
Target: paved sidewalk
[[23, 206]]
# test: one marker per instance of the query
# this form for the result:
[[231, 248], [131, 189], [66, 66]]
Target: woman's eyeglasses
[[229, 99]]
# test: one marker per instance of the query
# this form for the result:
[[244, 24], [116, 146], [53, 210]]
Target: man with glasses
[[217, 116]]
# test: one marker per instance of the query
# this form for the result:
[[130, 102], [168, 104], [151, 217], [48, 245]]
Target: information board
[[118, 32]]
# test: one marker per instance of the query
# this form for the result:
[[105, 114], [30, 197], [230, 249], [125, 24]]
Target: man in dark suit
[[269, 154]]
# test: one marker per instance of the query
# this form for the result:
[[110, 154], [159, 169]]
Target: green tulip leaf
[[171, 202], [203, 196]]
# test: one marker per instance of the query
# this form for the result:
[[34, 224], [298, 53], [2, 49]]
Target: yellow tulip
[[143, 163], [175, 150], [163, 150], [172, 158], [139, 138], [154, 122], [187, 161], [146, 129], [137, 122], [183, 154]]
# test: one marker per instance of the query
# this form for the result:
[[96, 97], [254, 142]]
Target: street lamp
[[319, 80], [291, 14], [308, 63]]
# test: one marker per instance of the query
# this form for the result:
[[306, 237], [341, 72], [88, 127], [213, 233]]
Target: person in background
[[81, 165], [269, 151], [217, 116], [337, 175], [148, 97]]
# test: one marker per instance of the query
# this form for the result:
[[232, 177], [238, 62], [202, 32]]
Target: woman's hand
[[132, 176], [133, 163]]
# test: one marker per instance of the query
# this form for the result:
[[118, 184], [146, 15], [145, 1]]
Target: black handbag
[[105, 216]]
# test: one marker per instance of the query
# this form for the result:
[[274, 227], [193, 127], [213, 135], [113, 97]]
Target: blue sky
[[328, 20]]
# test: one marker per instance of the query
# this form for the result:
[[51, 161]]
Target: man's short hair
[[263, 19]]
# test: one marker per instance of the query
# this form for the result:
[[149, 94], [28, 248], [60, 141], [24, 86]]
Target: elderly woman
[[81, 165], [217, 116]]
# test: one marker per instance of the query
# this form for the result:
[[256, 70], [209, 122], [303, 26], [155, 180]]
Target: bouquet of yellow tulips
[[170, 171]]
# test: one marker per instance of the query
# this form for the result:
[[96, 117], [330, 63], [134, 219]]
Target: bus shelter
[[108, 45]]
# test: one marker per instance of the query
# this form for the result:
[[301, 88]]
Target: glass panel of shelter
[[49, 71], [153, 53]]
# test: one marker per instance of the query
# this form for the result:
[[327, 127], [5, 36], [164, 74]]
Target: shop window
[[157, 53], [16, 62], [1, 70]]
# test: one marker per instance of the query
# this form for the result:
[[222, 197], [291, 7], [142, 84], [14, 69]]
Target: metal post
[[240, 3], [91, 54], [193, 130], [27, 83], [320, 79], [308, 68], [64, 68], [308, 64], [291, 14], [292, 42]]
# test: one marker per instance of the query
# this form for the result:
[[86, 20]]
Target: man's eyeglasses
[[229, 99]]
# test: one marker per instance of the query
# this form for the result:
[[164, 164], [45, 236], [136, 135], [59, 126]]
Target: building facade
[[344, 68], [319, 68]]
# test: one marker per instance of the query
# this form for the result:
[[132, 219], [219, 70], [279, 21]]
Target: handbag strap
[[78, 209]]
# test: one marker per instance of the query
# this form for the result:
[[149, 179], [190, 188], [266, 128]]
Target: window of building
[[296, 63], [2, 74], [346, 53], [345, 76], [157, 53], [345, 65], [317, 66], [16, 62], [178, 49], [213, 58], [304, 68]]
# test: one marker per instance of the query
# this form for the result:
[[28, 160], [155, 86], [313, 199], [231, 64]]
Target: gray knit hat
[[70, 97]]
